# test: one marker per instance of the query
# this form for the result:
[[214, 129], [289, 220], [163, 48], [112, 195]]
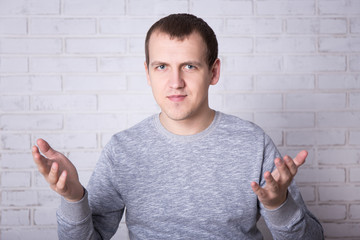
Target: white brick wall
[[71, 71]]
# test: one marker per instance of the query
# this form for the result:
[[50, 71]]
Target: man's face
[[179, 75]]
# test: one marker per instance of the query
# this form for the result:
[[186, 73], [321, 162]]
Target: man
[[189, 172]]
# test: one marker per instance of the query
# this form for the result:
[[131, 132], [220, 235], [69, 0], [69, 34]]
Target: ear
[[147, 74], [215, 72]]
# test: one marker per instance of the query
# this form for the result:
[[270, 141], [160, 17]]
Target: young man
[[189, 172]]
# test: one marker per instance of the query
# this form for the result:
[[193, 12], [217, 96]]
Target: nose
[[176, 80]]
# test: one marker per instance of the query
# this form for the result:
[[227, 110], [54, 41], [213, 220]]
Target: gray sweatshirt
[[185, 187]]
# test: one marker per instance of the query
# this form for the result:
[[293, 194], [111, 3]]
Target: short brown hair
[[182, 25]]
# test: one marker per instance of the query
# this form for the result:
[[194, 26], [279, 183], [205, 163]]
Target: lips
[[176, 98]]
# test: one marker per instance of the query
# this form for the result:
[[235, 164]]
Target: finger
[[300, 158], [40, 161], [45, 148], [291, 165], [284, 172], [259, 191], [54, 174], [271, 184], [61, 184]]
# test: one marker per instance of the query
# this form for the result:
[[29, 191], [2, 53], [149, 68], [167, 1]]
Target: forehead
[[161, 44]]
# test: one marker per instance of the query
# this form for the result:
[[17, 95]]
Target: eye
[[161, 67], [189, 67]]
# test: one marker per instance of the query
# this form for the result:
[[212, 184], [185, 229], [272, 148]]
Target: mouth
[[176, 98]]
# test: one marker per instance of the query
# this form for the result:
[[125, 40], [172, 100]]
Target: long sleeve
[[98, 214], [292, 220]]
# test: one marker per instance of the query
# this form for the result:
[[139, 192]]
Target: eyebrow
[[195, 63]]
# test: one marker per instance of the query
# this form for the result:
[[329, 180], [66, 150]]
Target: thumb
[[45, 148], [300, 158]]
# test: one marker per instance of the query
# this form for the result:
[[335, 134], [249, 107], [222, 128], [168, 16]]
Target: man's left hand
[[274, 193]]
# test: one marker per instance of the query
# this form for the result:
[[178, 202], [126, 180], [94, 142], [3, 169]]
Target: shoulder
[[234, 124]]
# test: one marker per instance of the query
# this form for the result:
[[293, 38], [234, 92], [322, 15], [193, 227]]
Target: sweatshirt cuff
[[284, 214], [75, 211]]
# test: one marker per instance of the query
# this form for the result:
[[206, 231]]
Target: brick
[[354, 63], [235, 45], [329, 212], [13, 26], [15, 179], [93, 7], [62, 26], [219, 7], [316, 101], [354, 100], [30, 7], [13, 64], [341, 230], [15, 141], [341, 193], [235, 102], [320, 175], [315, 63], [19, 198], [354, 137], [308, 193], [126, 26], [138, 83], [84, 159], [215, 101], [339, 7], [354, 211], [285, 7], [234, 83], [29, 233], [64, 103], [63, 65], [285, 119], [84, 176], [354, 174], [94, 83], [17, 161], [136, 45], [122, 64], [70, 140], [335, 156], [339, 44], [39, 181], [14, 103], [251, 64], [96, 45], [15, 217], [316, 25], [95, 122], [28, 84], [315, 137], [48, 198], [331, 119], [30, 46], [45, 216], [127, 102], [285, 44], [276, 136], [245, 26], [158, 7], [45, 83], [354, 25], [339, 81], [31, 122], [284, 82]]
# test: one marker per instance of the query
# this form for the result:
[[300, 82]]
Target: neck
[[189, 126]]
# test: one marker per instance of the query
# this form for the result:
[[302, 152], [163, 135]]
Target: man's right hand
[[58, 171]]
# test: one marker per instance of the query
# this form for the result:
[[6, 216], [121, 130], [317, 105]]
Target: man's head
[[182, 25]]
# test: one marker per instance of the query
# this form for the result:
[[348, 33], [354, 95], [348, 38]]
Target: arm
[[75, 215], [281, 203]]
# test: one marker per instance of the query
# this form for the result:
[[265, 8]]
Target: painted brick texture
[[71, 71]]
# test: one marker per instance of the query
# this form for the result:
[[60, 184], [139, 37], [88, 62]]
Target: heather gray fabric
[[185, 187]]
